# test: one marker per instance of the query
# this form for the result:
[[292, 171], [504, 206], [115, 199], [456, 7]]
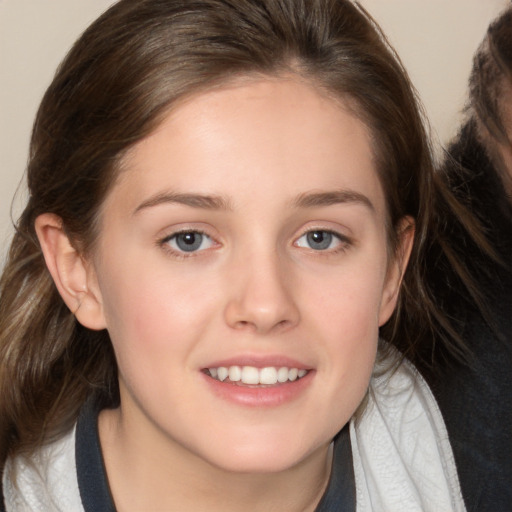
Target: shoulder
[[45, 481]]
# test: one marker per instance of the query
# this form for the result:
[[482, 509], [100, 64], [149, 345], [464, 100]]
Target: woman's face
[[245, 239]]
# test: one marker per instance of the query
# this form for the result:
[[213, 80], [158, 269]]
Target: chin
[[262, 456], [264, 463]]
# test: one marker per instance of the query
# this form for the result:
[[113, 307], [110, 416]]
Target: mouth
[[253, 376]]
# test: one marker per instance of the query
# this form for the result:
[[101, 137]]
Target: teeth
[[222, 373], [250, 375], [253, 376], [268, 376], [282, 374], [235, 373]]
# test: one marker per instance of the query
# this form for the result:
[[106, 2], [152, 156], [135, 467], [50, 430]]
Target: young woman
[[206, 303]]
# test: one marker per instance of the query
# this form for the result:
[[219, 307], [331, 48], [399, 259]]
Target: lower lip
[[259, 396]]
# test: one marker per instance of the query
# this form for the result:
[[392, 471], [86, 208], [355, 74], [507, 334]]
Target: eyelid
[[163, 241], [182, 231], [344, 240]]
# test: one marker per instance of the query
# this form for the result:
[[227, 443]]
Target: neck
[[143, 476]]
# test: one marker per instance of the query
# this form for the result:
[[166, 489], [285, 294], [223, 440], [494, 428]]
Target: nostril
[[262, 327], [282, 324], [244, 324]]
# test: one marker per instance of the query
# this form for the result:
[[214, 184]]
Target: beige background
[[435, 38]]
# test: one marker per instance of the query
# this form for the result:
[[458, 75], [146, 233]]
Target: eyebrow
[[318, 199], [205, 202], [215, 202]]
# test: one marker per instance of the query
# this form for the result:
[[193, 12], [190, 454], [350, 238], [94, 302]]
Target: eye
[[189, 241], [319, 240]]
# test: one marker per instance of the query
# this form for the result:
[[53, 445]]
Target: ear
[[396, 269], [74, 278]]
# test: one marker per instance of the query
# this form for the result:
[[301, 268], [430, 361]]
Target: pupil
[[189, 241], [319, 239], [189, 238]]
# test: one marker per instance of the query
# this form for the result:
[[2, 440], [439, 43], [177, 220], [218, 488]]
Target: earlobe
[[397, 269], [73, 277]]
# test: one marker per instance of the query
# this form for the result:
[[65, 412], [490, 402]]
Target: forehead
[[278, 137]]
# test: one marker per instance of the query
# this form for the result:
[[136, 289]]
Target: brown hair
[[468, 262], [490, 102], [113, 88]]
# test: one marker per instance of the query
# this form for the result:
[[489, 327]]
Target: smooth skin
[[249, 226]]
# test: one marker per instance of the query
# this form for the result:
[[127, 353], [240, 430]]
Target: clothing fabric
[[395, 456], [48, 482], [403, 460], [475, 398]]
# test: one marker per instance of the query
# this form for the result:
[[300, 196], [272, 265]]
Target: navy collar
[[90, 468], [340, 495]]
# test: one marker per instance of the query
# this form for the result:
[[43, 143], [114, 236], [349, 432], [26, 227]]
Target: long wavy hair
[[114, 87]]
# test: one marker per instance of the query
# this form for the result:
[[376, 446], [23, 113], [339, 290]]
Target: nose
[[262, 296]]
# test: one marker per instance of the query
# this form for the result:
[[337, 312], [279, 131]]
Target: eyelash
[[181, 254], [344, 242]]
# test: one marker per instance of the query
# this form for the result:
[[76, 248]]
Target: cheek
[[155, 323], [155, 308], [346, 312], [348, 301]]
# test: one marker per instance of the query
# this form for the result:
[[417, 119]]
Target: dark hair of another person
[[479, 177], [491, 96]]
